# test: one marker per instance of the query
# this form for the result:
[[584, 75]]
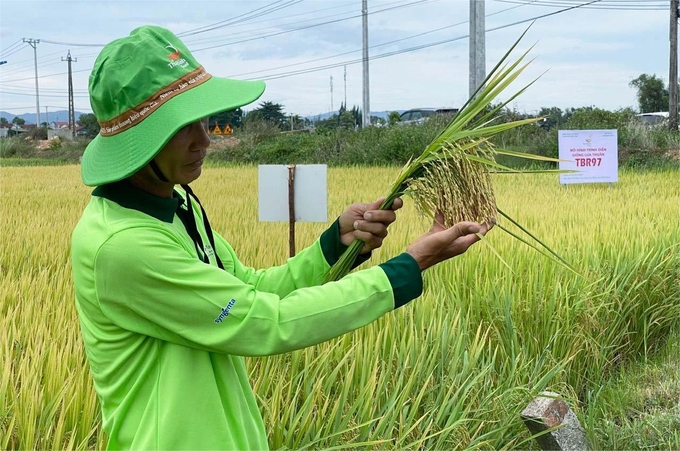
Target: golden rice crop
[[450, 371]]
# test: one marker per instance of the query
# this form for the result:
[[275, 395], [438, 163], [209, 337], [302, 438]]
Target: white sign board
[[310, 195], [593, 153]]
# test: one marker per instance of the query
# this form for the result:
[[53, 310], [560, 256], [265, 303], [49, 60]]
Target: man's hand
[[367, 223], [440, 243]]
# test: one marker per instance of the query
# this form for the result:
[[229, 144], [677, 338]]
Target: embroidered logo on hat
[[174, 55]]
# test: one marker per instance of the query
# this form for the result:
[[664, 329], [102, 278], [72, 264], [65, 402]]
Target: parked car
[[419, 115], [653, 118]]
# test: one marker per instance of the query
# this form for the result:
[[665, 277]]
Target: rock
[[548, 412]]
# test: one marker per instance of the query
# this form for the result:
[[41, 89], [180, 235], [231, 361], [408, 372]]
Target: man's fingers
[[397, 204], [462, 229], [381, 216], [378, 229], [370, 239]]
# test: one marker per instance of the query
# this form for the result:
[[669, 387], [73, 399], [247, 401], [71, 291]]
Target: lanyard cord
[[190, 221], [190, 224]]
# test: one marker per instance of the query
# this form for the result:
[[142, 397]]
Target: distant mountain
[[52, 116]]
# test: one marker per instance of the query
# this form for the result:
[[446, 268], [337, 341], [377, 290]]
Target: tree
[[231, 117], [652, 94], [393, 118], [3, 121], [18, 121], [554, 117], [356, 115], [271, 112], [89, 121]]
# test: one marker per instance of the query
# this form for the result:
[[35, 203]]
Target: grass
[[453, 370], [640, 407]]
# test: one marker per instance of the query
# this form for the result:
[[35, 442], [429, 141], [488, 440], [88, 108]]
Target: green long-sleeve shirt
[[164, 331]]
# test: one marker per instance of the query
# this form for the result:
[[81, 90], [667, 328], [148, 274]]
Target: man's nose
[[200, 135]]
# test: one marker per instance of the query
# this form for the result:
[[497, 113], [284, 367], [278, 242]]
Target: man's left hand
[[367, 223]]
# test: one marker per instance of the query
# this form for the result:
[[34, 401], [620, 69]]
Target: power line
[[16, 65], [411, 49], [244, 17], [41, 95], [45, 76], [617, 5], [15, 51], [310, 26], [257, 31], [72, 44], [380, 56], [26, 67], [376, 45], [52, 90], [10, 47]]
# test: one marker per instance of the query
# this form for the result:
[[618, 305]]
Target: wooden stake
[[291, 209]]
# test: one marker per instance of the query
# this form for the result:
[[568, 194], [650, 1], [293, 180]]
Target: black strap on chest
[[189, 220]]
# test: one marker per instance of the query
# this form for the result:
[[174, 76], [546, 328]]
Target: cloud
[[591, 54]]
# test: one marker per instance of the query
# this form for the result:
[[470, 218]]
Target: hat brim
[[108, 159]]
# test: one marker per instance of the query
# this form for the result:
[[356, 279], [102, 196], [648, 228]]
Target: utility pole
[[33, 43], [366, 119], [673, 72], [477, 45], [331, 93], [345, 77], [47, 118], [71, 108]]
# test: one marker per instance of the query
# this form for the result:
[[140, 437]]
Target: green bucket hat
[[143, 89]]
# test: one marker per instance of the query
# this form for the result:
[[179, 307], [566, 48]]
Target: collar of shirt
[[126, 195]]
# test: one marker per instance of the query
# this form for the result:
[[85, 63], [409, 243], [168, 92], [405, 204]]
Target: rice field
[[450, 371]]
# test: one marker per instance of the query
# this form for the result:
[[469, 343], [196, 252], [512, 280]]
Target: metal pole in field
[[673, 72], [331, 94], [71, 108], [33, 43], [366, 119], [345, 76], [477, 67]]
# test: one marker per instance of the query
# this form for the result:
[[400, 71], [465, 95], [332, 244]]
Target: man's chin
[[191, 175]]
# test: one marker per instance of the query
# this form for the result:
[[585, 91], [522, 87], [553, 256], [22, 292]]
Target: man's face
[[181, 158]]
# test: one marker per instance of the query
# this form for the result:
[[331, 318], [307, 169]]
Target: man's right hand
[[441, 244]]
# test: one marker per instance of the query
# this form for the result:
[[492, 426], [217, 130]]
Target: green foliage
[[38, 133], [345, 119], [14, 147], [638, 409], [652, 94], [89, 121], [254, 131], [261, 142], [595, 118], [17, 149], [269, 112], [3, 121], [393, 118], [18, 121], [231, 117]]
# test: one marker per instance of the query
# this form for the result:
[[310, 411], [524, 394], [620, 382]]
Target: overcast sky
[[590, 55]]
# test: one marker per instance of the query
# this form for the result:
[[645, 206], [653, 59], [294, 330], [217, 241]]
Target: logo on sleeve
[[225, 311]]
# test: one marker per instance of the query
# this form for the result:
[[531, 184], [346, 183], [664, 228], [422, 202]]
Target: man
[[166, 308]]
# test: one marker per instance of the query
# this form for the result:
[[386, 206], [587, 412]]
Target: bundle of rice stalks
[[452, 175]]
